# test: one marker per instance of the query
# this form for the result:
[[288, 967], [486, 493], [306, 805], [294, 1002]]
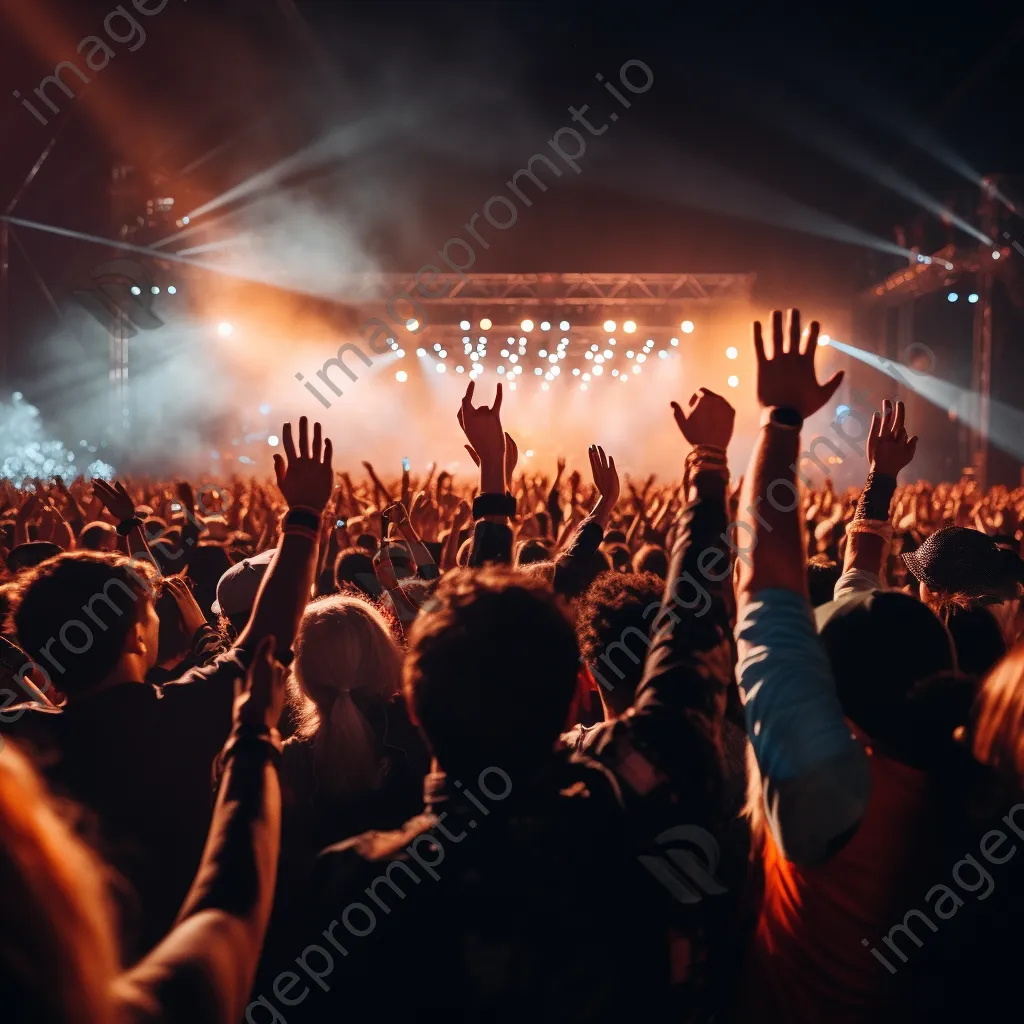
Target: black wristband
[[494, 505], [127, 525], [785, 417], [302, 517], [876, 498], [259, 740]]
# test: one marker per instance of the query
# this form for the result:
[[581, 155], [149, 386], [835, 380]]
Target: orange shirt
[[808, 962]]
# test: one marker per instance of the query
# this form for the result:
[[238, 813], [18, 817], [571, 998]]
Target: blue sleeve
[[815, 775]]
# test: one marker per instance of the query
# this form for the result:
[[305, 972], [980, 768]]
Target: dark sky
[[471, 90]]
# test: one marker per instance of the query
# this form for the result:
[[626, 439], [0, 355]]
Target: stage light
[[629, 354], [526, 325], [517, 369], [608, 353], [441, 368], [136, 290], [586, 376], [504, 353], [543, 353], [460, 369], [512, 385], [611, 341], [421, 351], [636, 370], [155, 290], [443, 354], [952, 297], [575, 371], [522, 341], [478, 368], [552, 358], [823, 339], [556, 370], [467, 340], [437, 347], [400, 352], [598, 370], [482, 340], [272, 440], [609, 326], [224, 329], [485, 324], [545, 326], [171, 290], [733, 382], [501, 370], [512, 357], [583, 387], [588, 355], [615, 373], [412, 323], [184, 222], [629, 326], [264, 409], [995, 254], [842, 411], [649, 343], [731, 352], [674, 341], [545, 386], [538, 371], [564, 325], [599, 359], [464, 324], [973, 297], [401, 376], [641, 357], [663, 354], [549, 375], [686, 327]]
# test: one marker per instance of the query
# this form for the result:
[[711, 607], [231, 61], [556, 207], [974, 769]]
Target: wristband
[[302, 521], [127, 525], [781, 416], [876, 497], [255, 738], [878, 527], [494, 505]]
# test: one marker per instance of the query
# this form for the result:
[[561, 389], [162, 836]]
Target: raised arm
[[815, 775], [305, 478], [204, 969], [889, 451]]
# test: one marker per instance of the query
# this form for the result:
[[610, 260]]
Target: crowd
[[518, 745]]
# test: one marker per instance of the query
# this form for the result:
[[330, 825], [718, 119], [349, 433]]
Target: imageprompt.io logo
[[687, 867]]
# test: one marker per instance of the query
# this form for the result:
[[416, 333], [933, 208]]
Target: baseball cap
[[237, 588]]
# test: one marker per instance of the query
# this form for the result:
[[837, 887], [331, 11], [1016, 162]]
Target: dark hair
[[652, 558], [614, 537], [978, 639], [89, 602], [610, 618], [481, 694], [368, 542], [93, 536], [822, 576], [531, 551], [619, 556], [353, 569]]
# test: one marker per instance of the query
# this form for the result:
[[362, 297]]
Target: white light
[[674, 341], [641, 357], [952, 297], [543, 353], [575, 371], [185, 220], [586, 376], [733, 382], [731, 352], [511, 340], [485, 324], [272, 440], [995, 254], [264, 410], [663, 354], [686, 327], [513, 358], [441, 368], [421, 351], [136, 290], [504, 353], [517, 369], [501, 369], [588, 355], [549, 376], [412, 323], [482, 340], [598, 359], [464, 324], [437, 347], [556, 370], [608, 353], [611, 341], [443, 354], [973, 297], [460, 369], [564, 325], [529, 453], [538, 371], [823, 339], [155, 290], [512, 386], [545, 326], [478, 367], [171, 290], [401, 376], [522, 341], [400, 352], [629, 354], [224, 329], [552, 358], [629, 326], [636, 370], [594, 348], [526, 325], [609, 326], [467, 340], [615, 373], [545, 386], [598, 370]]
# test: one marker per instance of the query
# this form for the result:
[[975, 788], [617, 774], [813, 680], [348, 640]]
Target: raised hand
[[191, 614], [889, 449], [707, 420], [787, 379], [482, 427], [606, 482], [116, 500], [305, 476]]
